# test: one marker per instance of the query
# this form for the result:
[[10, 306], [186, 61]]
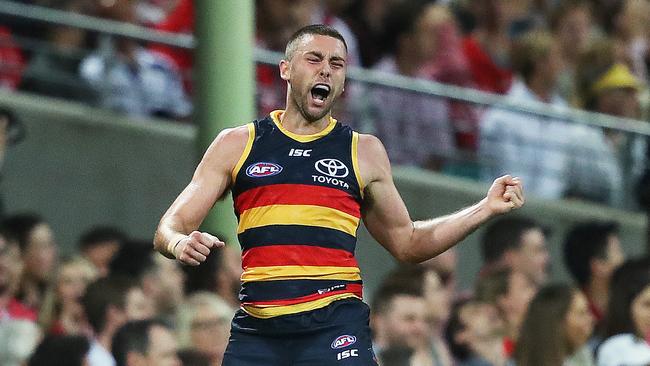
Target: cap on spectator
[[616, 77]]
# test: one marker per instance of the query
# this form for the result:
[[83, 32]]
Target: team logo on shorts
[[344, 341], [259, 170]]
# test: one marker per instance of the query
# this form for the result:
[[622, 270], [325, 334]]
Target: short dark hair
[[528, 50], [505, 234], [314, 29], [133, 337], [627, 282], [60, 350], [584, 242], [100, 295], [401, 19], [19, 227], [134, 259], [404, 280], [100, 234], [455, 325]]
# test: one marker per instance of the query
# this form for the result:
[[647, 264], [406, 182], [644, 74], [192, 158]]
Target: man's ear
[[285, 70]]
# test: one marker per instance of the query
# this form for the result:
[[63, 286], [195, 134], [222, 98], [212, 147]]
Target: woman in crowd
[[558, 318], [628, 316]]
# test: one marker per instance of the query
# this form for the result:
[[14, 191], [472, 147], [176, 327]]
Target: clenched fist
[[195, 248]]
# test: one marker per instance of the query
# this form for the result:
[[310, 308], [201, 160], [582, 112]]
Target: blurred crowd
[[589, 54], [116, 302]]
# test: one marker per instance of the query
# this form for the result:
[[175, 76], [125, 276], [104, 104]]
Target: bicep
[[384, 213], [210, 181]]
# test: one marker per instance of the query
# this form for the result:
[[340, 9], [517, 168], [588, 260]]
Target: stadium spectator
[[159, 287], [487, 47], [424, 136], [145, 342], [592, 252], [534, 148], [475, 334], [450, 66], [627, 323], [366, 19], [628, 23], [572, 25], [220, 274], [510, 292], [558, 317], [10, 270], [399, 325], [558, 159], [281, 19], [428, 284], [445, 265], [61, 312], [18, 339], [99, 245], [607, 86], [133, 79], [179, 20], [12, 61], [204, 325], [54, 70], [105, 305], [518, 243], [58, 350], [38, 253]]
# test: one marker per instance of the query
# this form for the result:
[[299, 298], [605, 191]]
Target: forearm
[[432, 237], [170, 231]]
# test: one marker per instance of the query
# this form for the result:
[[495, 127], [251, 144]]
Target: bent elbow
[[407, 256]]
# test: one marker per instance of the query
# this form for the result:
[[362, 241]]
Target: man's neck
[[294, 121]]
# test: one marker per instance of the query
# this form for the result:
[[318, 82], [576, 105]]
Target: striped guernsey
[[297, 199]]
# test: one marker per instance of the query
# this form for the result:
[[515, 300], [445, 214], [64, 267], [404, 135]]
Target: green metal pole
[[225, 84]]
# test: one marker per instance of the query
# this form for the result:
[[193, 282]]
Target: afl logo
[[344, 341], [332, 167], [259, 170]]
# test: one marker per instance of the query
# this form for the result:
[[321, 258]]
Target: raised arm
[[388, 221], [176, 236]]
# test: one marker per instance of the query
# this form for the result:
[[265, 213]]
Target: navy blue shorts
[[337, 334]]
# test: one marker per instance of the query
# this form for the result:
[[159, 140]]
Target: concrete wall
[[80, 167]]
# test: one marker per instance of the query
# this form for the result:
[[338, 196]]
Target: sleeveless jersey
[[297, 199]]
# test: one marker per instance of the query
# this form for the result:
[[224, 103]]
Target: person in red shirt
[[487, 48], [12, 62], [180, 20]]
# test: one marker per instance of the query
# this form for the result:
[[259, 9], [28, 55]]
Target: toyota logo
[[332, 167]]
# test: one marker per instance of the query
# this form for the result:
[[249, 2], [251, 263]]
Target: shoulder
[[373, 159], [229, 144]]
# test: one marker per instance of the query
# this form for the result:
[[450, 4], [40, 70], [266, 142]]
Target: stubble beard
[[302, 103]]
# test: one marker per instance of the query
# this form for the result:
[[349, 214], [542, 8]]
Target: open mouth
[[320, 92]]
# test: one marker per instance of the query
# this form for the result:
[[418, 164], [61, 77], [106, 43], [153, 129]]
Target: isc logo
[[343, 341], [347, 353], [259, 170], [299, 152]]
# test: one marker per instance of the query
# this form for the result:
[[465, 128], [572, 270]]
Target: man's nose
[[326, 70]]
